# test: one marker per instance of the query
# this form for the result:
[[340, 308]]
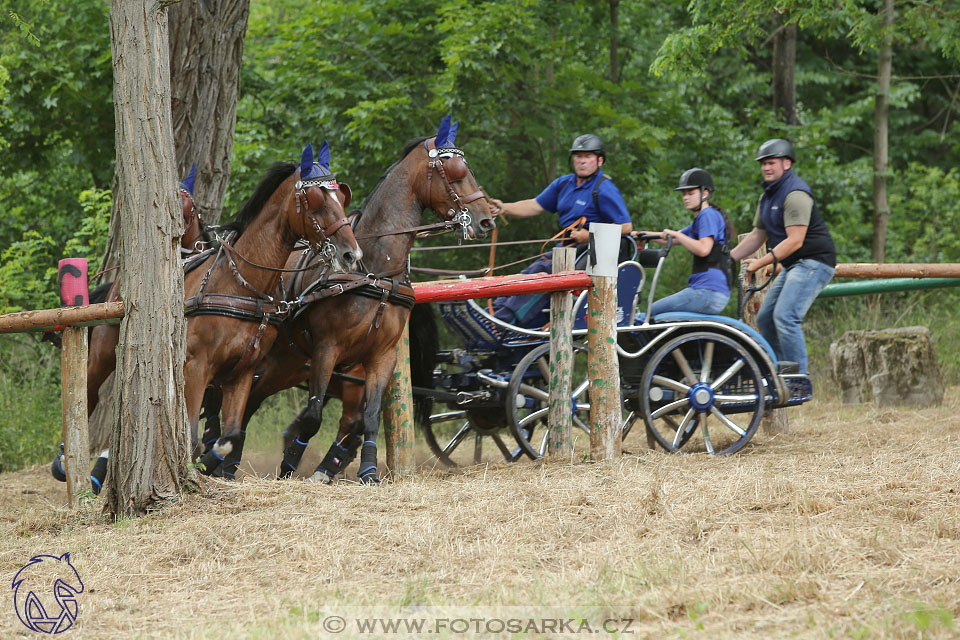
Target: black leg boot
[[368, 464]]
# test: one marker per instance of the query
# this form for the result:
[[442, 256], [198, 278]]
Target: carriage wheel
[[463, 444], [528, 401], [703, 383]]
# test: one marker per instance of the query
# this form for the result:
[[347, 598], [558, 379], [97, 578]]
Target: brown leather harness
[[264, 308]]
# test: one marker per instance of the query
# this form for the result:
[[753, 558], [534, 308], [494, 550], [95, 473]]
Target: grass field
[[847, 527]]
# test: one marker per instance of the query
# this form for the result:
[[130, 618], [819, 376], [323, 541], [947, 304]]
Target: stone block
[[887, 367]]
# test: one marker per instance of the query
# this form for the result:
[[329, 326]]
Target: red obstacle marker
[[72, 277]]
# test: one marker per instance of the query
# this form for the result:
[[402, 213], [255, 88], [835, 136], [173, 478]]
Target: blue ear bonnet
[[186, 186], [446, 138], [316, 171], [447, 133]]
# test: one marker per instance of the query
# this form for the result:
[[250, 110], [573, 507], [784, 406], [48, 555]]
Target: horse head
[[193, 234], [316, 210], [454, 194]]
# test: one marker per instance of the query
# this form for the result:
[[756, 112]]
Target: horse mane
[[272, 179], [407, 148]]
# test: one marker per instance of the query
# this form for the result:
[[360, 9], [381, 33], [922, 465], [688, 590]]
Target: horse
[[231, 308], [357, 333]]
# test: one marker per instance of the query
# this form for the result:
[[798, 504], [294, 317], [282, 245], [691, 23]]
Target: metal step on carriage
[[697, 383]]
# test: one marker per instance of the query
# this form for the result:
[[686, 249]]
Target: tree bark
[[150, 448], [784, 65], [881, 208], [206, 49], [614, 42]]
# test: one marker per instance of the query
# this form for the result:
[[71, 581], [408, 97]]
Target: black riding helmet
[[695, 178], [588, 142], [776, 148]]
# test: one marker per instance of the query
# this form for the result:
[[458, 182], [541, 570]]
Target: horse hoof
[[321, 477], [370, 479]]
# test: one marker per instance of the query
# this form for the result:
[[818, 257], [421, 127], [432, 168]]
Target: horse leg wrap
[[98, 474], [210, 437], [56, 467], [368, 463], [227, 471], [211, 462], [291, 457], [336, 460]]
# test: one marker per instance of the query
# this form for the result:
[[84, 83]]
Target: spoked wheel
[[457, 437], [702, 392], [528, 401]]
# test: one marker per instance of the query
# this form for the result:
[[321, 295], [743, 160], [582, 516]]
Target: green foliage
[[90, 239], [30, 423], [28, 274]]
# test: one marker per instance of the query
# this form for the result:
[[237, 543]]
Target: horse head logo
[[40, 610]]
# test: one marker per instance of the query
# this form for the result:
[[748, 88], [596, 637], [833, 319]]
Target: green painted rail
[[837, 289]]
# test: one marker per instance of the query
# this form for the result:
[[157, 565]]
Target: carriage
[[696, 383]]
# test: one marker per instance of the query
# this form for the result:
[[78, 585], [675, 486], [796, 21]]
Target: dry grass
[[847, 527]]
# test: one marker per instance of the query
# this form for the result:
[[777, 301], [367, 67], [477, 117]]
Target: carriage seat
[[630, 277]]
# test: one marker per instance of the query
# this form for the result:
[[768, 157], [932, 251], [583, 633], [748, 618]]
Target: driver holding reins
[[584, 196]]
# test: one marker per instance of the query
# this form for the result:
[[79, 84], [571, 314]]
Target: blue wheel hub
[[701, 396]]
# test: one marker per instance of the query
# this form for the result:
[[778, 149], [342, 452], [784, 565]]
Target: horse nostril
[[348, 257], [487, 224]]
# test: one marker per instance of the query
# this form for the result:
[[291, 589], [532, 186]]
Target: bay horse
[[358, 332], [234, 306]]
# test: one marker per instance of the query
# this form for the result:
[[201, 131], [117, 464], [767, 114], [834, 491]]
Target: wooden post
[[603, 367], [73, 373], [398, 413], [776, 420], [560, 419]]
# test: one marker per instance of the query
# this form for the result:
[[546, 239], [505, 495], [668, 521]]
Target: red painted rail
[[522, 283]]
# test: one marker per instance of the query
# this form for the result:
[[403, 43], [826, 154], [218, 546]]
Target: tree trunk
[[614, 44], [206, 49], [881, 208], [784, 64], [150, 447]]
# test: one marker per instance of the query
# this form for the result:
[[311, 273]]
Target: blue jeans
[[693, 301], [790, 297]]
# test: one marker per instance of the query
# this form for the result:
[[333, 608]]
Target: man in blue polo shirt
[[586, 193]]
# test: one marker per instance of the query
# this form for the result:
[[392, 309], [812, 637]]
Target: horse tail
[[424, 346]]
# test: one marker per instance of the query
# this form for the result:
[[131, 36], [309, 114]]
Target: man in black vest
[[789, 221]]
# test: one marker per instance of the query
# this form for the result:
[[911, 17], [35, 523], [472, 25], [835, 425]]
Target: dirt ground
[[847, 527]]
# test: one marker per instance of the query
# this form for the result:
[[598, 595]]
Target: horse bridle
[[303, 190], [435, 162]]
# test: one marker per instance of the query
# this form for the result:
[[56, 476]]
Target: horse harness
[[383, 287], [262, 308]]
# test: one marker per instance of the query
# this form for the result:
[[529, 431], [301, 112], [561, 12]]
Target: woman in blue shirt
[[707, 238]]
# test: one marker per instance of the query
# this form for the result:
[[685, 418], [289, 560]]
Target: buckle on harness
[[338, 284]]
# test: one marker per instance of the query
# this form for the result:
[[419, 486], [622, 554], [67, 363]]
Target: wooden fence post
[[560, 419], [603, 367], [398, 413], [776, 421], [73, 373]]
